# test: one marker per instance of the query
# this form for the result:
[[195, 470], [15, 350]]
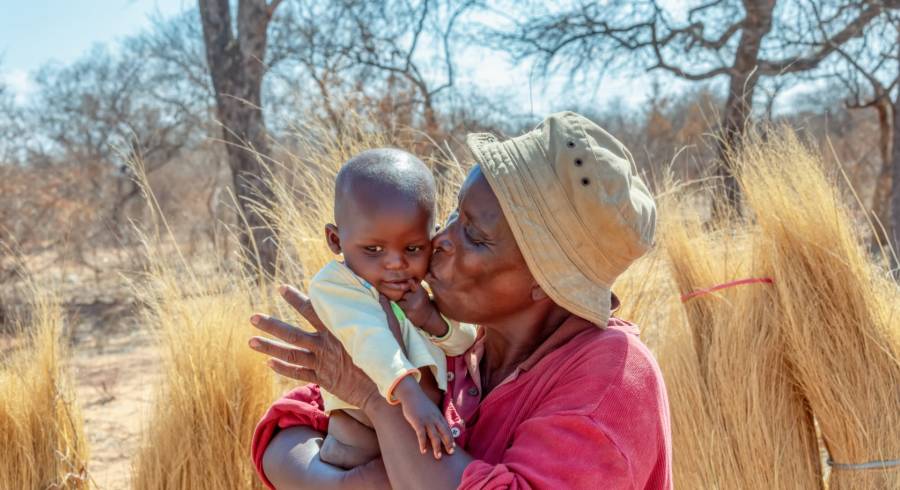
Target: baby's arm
[[424, 416], [359, 323], [452, 337], [357, 319], [421, 311]]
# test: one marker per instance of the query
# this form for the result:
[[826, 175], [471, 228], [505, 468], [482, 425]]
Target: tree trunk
[[739, 104], [883, 183], [895, 190], [236, 67]]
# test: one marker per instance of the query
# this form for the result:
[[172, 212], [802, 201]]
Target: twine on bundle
[[738, 282], [871, 465]]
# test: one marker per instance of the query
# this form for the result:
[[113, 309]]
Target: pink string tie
[[739, 282]]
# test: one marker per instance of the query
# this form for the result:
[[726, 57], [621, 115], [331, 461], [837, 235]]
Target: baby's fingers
[[435, 437], [446, 436], [421, 435]]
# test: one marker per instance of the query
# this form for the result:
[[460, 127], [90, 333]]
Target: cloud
[[19, 83]]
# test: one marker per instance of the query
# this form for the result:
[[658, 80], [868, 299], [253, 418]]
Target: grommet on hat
[[578, 226]]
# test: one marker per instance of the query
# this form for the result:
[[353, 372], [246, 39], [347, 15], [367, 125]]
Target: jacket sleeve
[[556, 451], [351, 313]]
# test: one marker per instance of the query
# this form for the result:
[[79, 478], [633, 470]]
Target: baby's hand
[[424, 417], [420, 310]]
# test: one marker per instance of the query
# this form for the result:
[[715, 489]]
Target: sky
[[35, 32]]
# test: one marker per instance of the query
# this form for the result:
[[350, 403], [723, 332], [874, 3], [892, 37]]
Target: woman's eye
[[469, 236], [373, 249]]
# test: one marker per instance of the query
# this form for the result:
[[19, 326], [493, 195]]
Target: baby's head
[[384, 203]]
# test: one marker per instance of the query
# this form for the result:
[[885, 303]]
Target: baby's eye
[[414, 248], [373, 249]]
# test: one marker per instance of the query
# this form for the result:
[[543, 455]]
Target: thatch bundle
[[42, 443], [737, 420], [839, 318]]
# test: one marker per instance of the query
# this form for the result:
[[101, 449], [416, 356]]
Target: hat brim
[[551, 266]]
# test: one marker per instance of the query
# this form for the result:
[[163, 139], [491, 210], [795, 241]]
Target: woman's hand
[[314, 357]]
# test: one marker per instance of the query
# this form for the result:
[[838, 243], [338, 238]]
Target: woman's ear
[[332, 238], [537, 292]]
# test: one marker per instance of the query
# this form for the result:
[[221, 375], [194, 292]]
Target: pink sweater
[[588, 410]]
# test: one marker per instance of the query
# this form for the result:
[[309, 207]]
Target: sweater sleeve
[[556, 451], [355, 317]]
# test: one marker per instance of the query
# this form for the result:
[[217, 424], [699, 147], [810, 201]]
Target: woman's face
[[477, 273]]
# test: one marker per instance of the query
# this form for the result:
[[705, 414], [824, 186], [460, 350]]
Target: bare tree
[[174, 57], [10, 126], [236, 61], [870, 71], [390, 36], [741, 40], [99, 112], [378, 49]]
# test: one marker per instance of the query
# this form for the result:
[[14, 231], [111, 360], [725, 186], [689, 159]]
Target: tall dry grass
[[42, 443], [213, 389], [840, 315]]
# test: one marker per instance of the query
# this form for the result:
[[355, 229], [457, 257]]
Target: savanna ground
[[114, 362]]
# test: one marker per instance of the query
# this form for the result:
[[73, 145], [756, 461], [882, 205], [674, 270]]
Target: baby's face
[[389, 246]]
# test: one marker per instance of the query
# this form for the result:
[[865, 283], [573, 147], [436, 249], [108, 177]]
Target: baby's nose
[[395, 261]]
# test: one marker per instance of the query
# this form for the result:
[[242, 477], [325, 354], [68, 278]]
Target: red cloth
[[588, 409], [302, 406]]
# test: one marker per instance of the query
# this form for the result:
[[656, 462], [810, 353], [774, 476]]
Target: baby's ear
[[332, 238]]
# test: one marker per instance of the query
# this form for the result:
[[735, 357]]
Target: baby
[[384, 221]]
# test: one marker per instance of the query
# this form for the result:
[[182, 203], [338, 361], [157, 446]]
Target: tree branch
[[828, 46], [273, 5]]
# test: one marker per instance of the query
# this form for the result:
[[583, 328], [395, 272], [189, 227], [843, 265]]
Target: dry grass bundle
[[840, 323], [645, 290], [213, 390], [737, 420], [42, 443]]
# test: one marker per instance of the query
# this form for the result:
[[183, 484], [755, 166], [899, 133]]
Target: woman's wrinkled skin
[[477, 275]]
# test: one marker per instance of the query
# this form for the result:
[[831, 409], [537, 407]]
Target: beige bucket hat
[[579, 211]]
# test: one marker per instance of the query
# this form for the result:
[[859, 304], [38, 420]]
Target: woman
[[556, 393]]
